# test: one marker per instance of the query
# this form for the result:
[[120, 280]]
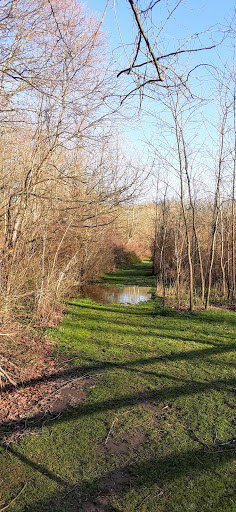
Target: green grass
[[139, 274], [166, 383]]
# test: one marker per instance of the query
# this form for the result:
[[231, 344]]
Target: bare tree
[[163, 248], [233, 292], [62, 179], [151, 64], [216, 205]]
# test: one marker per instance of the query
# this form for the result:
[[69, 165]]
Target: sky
[[191, 17]]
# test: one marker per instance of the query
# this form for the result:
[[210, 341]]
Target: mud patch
[[25, 408], [113, 483], [68, 396], [117, 479], [128, 443], [152, 407], [96, 506]]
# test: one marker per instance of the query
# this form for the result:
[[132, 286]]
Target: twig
[[138, 21], [149, 497], [5, 508], [109, 433], [61, 387], [50, 419], [7, 334], [6, 376], [231, 442], [9, 362], [196, 438]]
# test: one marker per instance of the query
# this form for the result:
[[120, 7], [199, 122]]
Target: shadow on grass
[[202, 317], [34, 465], [190, 387], [90, 369], [140, 274], [119, 308], [211, 316], [144, 473], [122, 327], [139, 475]]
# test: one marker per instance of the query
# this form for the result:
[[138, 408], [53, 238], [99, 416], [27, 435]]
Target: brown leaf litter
[[42, 385]]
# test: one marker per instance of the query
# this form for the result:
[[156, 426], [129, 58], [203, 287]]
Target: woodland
[[71, 189], [79, 203]]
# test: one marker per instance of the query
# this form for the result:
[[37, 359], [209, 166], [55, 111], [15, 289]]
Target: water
[[106, 294]]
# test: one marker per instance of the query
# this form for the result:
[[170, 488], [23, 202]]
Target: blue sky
[[190, 18]]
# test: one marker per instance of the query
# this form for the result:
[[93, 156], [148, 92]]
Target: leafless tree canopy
[[68, 190], [63, 177], [158, 61]]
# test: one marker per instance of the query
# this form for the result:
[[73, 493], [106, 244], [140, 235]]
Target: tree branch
[[138, 21]]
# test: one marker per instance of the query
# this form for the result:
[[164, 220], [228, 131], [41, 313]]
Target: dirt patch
[[117, 479], [96, 506], [43, 386], [49, 397], [155, 409], [113, 483], [123, 445], [68, 395], [138, 440]]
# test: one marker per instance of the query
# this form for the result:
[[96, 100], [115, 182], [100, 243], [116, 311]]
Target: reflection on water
[[125, 295]]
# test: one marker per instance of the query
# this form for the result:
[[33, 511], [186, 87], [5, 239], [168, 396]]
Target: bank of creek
[[121, 425]]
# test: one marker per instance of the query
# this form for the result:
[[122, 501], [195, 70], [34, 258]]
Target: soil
[[122, 445], [47, 398], [116, 480]]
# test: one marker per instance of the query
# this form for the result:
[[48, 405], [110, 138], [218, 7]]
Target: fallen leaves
[[25, 357]]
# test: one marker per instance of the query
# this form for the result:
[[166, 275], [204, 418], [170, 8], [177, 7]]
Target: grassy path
[[155, 428]]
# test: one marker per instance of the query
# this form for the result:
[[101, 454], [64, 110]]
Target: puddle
[[126, 295]]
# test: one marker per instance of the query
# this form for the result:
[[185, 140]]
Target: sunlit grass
[[166, 386]]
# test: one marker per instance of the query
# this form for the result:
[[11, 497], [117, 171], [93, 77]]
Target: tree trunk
[[233, 291]]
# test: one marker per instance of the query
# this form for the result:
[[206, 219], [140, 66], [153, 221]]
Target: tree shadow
[[165, 394], [130, 310], [210, 316], [34, 465], [98, 494], [159, 469], [90, 368], [202, 317], [122, 327]]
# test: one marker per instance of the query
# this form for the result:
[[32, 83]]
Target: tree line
[[69, 186], [63, 175]]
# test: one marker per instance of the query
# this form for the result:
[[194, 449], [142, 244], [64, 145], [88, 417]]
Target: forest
[[118, 166], [72, 189]]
